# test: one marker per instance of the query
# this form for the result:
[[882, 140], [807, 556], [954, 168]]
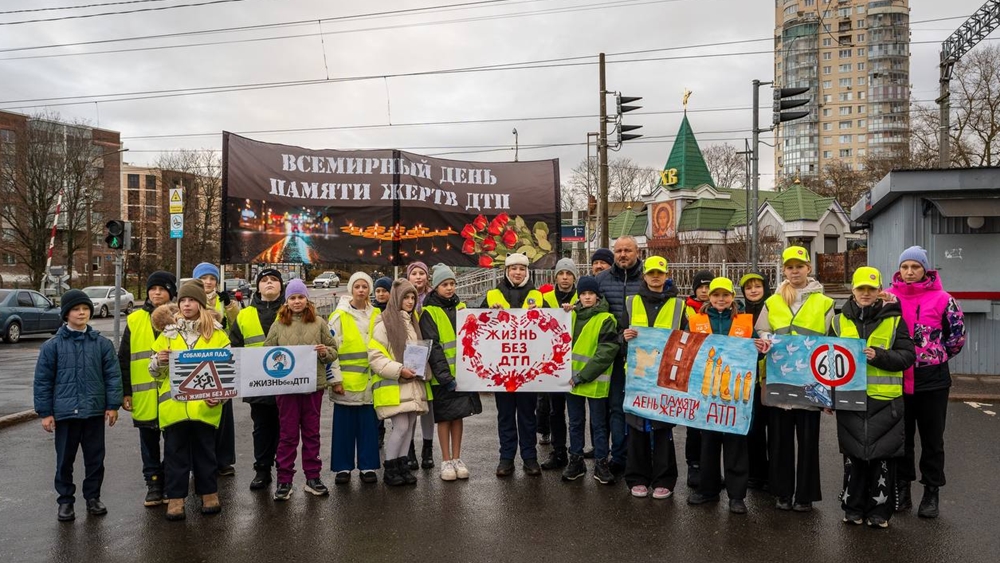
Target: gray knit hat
[[566, 265], [440, 274]]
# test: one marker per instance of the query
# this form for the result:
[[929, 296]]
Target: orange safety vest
[[742, 325]]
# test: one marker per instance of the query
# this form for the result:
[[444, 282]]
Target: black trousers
[[265, 434], [149, 450], [732, 449], [925, 412], [757, 439], [871, 487], [651, 460], [225, 437], [794, 473], [188, 447], [516, 424], [551, 418], [692, 446], [71, 435]]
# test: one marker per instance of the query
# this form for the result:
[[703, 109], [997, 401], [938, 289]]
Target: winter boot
[[427, 455], [929, 504], [154, 493], [602, 473], [261, 478], [175, 509], [903, 500], [410, 461], [404, 472], [574, 469], [390, 473], [210, 504], [557, 460]]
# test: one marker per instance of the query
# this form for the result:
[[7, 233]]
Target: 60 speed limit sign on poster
[[817, 371]]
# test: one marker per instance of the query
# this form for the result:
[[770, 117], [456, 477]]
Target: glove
[[449, 387], [224, 297]]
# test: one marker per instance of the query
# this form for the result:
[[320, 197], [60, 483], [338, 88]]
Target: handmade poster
[[699, 380], [509, 350], [415, 356], [817, 371], [277, 370], [203, 374], [382, 207]]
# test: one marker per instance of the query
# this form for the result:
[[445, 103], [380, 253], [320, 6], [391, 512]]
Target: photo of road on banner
[[416, 355]]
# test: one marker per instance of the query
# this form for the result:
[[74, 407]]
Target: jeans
[[616, 406], [516, 424], [577, 407]]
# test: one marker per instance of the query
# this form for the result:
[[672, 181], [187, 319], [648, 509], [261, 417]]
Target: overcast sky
[[501, 32]]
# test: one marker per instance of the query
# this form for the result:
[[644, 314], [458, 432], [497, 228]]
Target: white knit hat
[[516, 259], [360, 276]]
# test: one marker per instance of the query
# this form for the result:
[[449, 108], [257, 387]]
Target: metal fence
[[473, 283]]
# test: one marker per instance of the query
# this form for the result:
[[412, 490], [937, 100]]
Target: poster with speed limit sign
[[816, 371]]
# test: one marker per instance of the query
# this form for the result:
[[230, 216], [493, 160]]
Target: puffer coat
[[77, 375]]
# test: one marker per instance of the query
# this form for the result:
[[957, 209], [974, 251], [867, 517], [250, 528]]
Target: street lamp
[[514, 131]]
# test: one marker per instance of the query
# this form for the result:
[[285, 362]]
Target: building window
[[827, 41], [862, 80], [861, 9], [845, 68], [826, 112], [827, 84], [827, 70], [862, 152], [845, 110], [133, 181], [150, 182], [862, 139], [133, 197], [861, 66], [861, 52], [844, 82], [827, 98], [844, 124], [826, 126], [9, 259], [844, 12], [845, 153], [827, 56], [861, 23], [861, 95], [827, 140], [862, 123], [846, 96], [861, 109], [861, 38], [827, 154], [846, 139], [810, 2], [844, 53]]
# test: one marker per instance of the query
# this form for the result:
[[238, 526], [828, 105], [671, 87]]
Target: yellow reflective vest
[[385, 392], [882, 384], [809, 320], [446, 334], [584, 347], [669, 316], [550, 299], [173, 411], [253, 332], [353, 352], [144, 395], [495, 297]]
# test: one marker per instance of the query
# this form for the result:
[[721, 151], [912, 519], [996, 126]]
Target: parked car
[[103, 297], [237, 288], [327, 280], [23, 311]]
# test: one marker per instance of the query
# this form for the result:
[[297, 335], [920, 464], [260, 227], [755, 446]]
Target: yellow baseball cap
[[721, 283], [866, 276], [795, 253], [654, 264]]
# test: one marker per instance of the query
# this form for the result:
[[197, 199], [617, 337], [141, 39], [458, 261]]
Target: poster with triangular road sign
[[203, 374]]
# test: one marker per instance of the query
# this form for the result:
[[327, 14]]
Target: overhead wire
[[121, 12]]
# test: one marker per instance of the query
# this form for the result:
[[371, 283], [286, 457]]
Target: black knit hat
[[71, 299], [604, 255], [166, 280], [269, 272], [588, 283], [702, 277]]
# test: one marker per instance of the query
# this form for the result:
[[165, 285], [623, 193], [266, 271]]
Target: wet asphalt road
[[485, 519]]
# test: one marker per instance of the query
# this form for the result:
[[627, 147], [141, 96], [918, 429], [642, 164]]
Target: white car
[[327, 280], [103, 297]]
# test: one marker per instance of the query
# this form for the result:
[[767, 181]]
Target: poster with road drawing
[[699, 380], [816, 371]]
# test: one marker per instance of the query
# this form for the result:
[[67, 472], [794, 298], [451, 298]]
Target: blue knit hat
[[383, 282], [916, 254], [206, 268], [588, 283]]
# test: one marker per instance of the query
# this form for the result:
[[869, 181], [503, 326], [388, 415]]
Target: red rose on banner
[[468, 232], [485, 262], [469, 247], [501, 236], [509, 238], [489, 244], [480, 223], [511, 379]]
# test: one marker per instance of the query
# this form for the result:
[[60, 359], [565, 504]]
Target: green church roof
[[687, 159], [799, 203], [628, 222]]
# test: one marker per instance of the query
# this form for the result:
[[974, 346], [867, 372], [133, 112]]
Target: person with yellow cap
[[651, 465], [756, 289], [798, 307], [721, 315], [872, 440]]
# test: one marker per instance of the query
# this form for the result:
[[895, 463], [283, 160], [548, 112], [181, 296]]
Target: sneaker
[[802, 507], [227, 471], [737, 506], [904, 501], [532, 468], [448, 472], [783, 504], [545, 439], [693, 476], [154, 495], [575, 469], [853, 518], [369, 477], [602, 473], [283, 491], [875, 521], [316, 487], [701, 498], [461, 471], [342, 478], [640, 491], [660, 493], [96, 507], [556, 460], [505, 468]]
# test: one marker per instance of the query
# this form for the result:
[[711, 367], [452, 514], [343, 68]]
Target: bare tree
[[626, 181], [199, 175], [728, 169]]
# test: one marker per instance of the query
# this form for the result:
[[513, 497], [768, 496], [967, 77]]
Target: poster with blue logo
[[203, 374], [277, 370]]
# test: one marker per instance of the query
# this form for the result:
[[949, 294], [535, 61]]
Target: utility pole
[[118, 295], [754, 175], [602, 159], [746, 153]]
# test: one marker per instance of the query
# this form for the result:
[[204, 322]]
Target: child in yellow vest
[[721, 316]]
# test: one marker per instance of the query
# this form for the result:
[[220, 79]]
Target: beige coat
[[412, 394], [302, 334]]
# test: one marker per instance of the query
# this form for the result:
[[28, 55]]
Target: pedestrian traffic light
[[119, 235], [781, 104], [623, 108]]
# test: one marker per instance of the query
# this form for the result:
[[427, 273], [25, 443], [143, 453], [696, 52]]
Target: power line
[[60, 8], [121, 12]]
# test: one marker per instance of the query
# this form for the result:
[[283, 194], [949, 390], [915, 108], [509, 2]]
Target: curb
[[976, 397], [17, 418]]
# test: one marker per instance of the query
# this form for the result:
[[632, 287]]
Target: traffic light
[[781, 104], [623, 108], [119, 235]]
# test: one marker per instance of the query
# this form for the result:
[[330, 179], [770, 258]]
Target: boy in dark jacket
[[78, 386], [595, 347], [872, 440]]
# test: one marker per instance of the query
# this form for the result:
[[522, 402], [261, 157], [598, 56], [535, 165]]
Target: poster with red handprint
[[510, 350]]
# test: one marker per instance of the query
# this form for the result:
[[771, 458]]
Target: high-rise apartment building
[[854, 57]]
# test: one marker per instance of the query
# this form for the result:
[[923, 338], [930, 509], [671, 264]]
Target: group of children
[[360, 350]]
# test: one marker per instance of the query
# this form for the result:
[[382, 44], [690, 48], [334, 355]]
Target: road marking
[[979, 407]]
